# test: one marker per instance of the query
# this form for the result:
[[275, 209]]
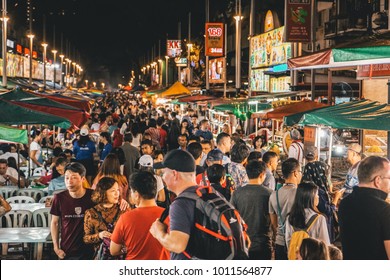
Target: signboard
[[214, 44], [373, 71], [181, 61], [298, 20], [269, 49], [259, 81], [19, 48], [174, 48], [269, 21], [217, 70], [10, 44]]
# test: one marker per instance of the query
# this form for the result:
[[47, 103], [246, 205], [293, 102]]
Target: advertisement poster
[[214, 39], [373, 71], [174, 48], [217, 70], [259, 81], [269, 49], [298, 21]]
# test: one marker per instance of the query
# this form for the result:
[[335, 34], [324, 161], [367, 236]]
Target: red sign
[[214, 39], [373, 71], [298, 21], [35, 55], [19, 48], [26, 51], [174, 48]]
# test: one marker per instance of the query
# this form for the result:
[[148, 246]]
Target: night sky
[[113, 36]]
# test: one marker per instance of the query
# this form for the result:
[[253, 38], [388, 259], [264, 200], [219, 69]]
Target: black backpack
[[219, 232]]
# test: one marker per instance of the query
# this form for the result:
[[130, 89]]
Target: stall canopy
[[196, 98], [242, 110], [362, 114], [176, 89], [294, 108], [77, 103], [11, 134], [27, 100], [372, 51], [12, 114]]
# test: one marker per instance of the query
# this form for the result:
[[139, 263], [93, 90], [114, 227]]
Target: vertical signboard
[[214, 39], [298, 20], [217, 70], [173, 48]]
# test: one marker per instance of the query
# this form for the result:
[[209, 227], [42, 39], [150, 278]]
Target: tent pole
[[18, 163], [329, 86], [388, 132]]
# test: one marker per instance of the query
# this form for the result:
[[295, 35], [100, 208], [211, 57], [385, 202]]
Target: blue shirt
[[84, 152], [56, 184], [106, 150]]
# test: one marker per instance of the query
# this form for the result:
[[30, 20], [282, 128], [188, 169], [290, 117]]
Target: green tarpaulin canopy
[[242, 107], [11, 134], [363, 114], [12, 114]]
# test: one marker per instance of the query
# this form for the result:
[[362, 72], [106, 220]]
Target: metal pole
[[55, 60], [166, 70], [189, 50], [207, 57], [44, 45], [238, 48], [313, 40], [388, 132], [179, 38], [30, 60], [224, 66], [4, 45], [251, 33]]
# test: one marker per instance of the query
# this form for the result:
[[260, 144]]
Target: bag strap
[[103, 221], [279, 209], [311, 222]]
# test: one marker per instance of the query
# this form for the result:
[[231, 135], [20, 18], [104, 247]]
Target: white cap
[[84, 132], [146, 161]]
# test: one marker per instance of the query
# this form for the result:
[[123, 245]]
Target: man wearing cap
[[354, 158], [179, 175]]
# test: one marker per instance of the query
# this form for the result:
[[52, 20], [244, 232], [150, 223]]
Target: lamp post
[[55, 66], [86, 84], [160, 72], [73, 73], [31, 37], [94, 84], [66, 71], [189, 45], [103, 85], [62, 61], [166, 70], [238, 19], [44, 45], [4, 45]]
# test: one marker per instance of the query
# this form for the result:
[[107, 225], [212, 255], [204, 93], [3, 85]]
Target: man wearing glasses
[[364, 215]]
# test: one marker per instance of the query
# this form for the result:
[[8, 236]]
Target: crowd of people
[[132, 160]]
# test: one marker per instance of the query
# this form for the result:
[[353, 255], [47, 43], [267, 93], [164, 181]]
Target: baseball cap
[[178, 160], [215, 155], [84, 132], [146, 161], [355, 147]]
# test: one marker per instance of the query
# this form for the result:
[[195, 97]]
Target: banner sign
[[173, 48], [181, 61], [269, 49], [217, 70], [214, 44], [298, 20], [373, 71]]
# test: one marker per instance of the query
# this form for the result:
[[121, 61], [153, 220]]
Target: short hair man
[[296, 148], [239, 155], [131, 154], [353, 157], [216, 174], [280, 203], [224, 143], [195, 149], [271, 160], [132, 228], [252, 202], [147, 147], [364, 215], [204, 131], [182, 140], [206, 148], [9, 175], [68, 208], [179, 175]]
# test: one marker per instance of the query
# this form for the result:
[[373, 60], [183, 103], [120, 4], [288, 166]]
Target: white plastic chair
[[41, 217], [34, 193], [25, 170], [43, 199], [8, 192], [20, 199], [18, 218]]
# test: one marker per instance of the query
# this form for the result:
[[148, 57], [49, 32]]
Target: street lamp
[[103, 84], [4, 19], [160, 72], [44, 45], [62, 61], [73, 74], [189, 45], [54, 78], [238, 19], [94, 84], [86, 84], [166, 70], [31, 37]]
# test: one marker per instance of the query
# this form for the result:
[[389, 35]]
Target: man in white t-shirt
[[8, 175], [296, 148]]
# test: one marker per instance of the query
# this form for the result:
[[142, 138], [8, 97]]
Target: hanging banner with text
[[298, 21], [214, 39], [373, 71], [173, 48]]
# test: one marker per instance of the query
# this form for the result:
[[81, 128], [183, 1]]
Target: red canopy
[[79, 104], [293, 108]]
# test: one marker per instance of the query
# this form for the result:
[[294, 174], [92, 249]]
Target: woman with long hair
[[259, 144], [303, 210], [99, 221], [313, 249], [173, 134], [184, 127], [137, 135], [111, 168]]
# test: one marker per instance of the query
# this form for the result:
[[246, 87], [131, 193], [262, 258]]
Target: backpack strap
[[311, 222], [279, 211]]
